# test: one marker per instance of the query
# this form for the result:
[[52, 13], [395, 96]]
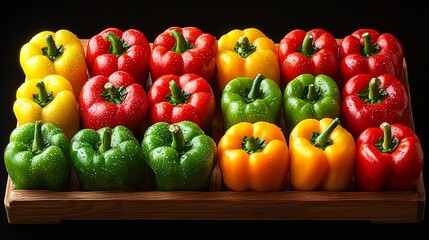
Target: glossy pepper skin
[[49, 99], [246, 53], [59, 53], [309, 96], [322, 154], [181, 157], [98, 159], [368, 101], [254, 157], [246, 99], [37, 157], [174, 98], [369, 51], [314, 52], [115, 50], [389, 158], [180, 50], [113, 101]]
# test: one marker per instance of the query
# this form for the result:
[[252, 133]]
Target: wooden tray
[[46, 207]]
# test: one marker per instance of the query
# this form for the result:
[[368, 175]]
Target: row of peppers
[[183, 63]]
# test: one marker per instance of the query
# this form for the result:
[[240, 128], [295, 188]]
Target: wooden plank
[[42, 206]]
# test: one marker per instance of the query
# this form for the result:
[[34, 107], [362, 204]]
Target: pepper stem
[[181, 44], [374, 93], [106, 141], [243, 47], [42, 97], [368, 46], [178, 142], [52, 47], [38, 142], [254, 91], [252, 144], [176, 93], [113, 93], [387, 130], [322, 140], [307, 45], [51, 51], [116, 45], [312, 93]]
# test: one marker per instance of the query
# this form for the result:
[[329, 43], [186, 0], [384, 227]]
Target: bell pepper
[[309, 96], [49, 99], [369, 51], [254, 157], [115, 50], [389, 158], [181, 157], [175, 98], [246, 53], [183, 50], [246, 99], [107, 159], [112, 101], [322, 155], [37, 157], [368, 101], [59, 53], [314, 52]]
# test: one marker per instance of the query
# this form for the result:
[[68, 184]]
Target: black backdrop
[[20, 21]]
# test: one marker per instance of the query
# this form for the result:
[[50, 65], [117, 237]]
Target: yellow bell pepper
[[322, 155], [59, 53], [49, 100], [254, 157], [246, 53]]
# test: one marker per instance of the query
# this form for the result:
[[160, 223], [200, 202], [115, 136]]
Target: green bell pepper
[[108, 159], [251, 100], [37, 157], [309, 96], [180, 156]]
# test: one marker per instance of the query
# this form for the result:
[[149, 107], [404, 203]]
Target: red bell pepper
[[314, 52], [174, 98], [112, 101], [113, 50], [389, 158], [368, 101], [369, 51], [183, 50]]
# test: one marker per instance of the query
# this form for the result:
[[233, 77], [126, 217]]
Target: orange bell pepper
[[322, 155], [246, 53], [254, 157]]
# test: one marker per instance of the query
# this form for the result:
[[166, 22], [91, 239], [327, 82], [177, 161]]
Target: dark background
[[20, 21]]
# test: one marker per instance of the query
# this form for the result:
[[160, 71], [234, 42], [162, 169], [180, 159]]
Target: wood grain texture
[[217, 203]]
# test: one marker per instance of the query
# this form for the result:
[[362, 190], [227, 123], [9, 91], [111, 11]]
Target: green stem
[[243, 47], [312, 93], [176, 93], [178, 142], [52, 47], [323, 138], [252, 144], [116, 45], [374, 90], [113, 93], [387, 139], [307, 45], [106, 141], [42, 97], [254, 91], [368, 47], [181, 44], [38, 142]]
